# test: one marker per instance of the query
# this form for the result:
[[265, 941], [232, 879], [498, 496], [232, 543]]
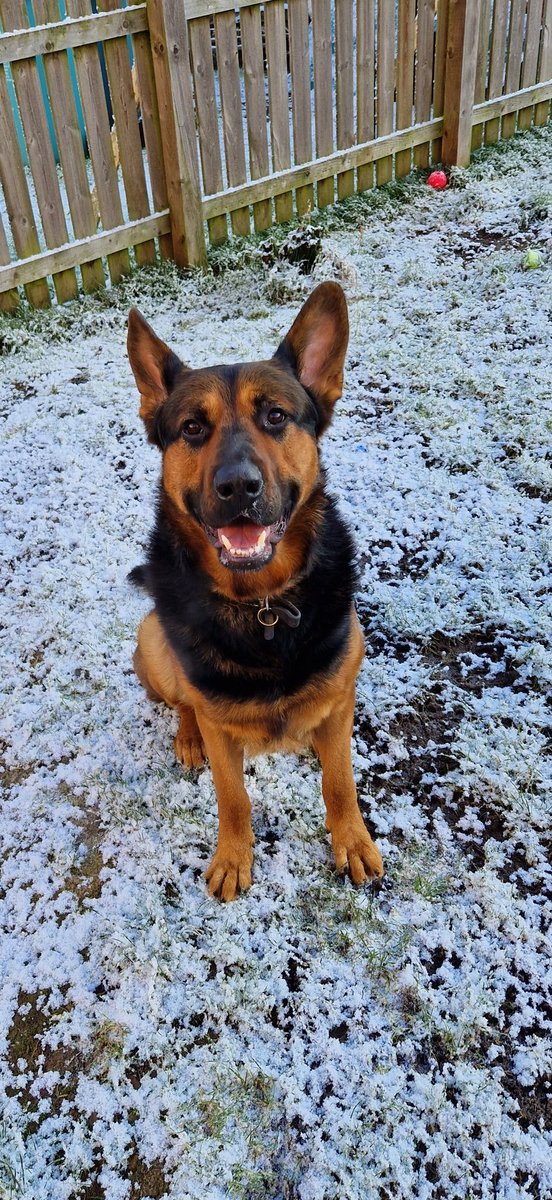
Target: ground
[[310, 1041]]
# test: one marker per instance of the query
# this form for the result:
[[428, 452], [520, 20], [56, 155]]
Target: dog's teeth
[[247, 552]]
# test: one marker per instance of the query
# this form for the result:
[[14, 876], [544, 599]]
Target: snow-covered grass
[[310, 1041]]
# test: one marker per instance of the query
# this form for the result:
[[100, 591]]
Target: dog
[[253, 637]]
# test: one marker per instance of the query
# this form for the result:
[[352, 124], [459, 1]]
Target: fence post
[[173, 83], [460, 73]]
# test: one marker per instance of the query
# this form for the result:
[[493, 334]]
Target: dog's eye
[[192, 429], [276, 416]]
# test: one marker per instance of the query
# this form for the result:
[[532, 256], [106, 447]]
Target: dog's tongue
[[242, 535]]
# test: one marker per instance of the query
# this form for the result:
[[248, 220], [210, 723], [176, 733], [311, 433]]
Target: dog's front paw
[[354, 848], [229, 871], [190, 750]]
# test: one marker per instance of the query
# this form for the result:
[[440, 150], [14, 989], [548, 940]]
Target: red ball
[[437, 180]]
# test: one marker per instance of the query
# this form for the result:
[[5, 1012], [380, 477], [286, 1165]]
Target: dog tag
[[268, 619]]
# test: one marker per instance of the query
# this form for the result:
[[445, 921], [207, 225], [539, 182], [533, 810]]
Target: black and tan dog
[[253, 637]]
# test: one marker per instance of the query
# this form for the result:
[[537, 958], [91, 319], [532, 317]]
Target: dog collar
[[269, 613]]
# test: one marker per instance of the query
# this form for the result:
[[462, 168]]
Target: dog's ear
[[316, 345], [154, 365]]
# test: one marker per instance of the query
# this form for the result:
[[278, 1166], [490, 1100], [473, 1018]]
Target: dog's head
[[240, 454]]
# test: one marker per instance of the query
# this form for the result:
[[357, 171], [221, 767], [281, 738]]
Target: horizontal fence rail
[[133, 131], [79, 31]]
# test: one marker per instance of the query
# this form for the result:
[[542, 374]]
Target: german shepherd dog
[[253, 638]]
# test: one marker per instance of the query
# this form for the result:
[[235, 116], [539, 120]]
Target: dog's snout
[[238, 480]]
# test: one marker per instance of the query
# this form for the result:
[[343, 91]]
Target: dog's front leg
[[230, 868], [352, 845]]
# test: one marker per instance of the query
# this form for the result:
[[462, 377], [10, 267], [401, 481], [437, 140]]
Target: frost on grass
[[309, 1042]]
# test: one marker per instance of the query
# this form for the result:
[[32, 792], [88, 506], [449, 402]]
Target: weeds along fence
[[144, 131]]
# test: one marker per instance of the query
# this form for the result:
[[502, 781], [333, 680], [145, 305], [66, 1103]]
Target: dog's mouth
[[245, 546]]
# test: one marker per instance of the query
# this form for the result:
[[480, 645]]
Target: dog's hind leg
[[162, 678]]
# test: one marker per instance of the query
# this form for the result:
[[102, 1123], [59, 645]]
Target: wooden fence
[[209, 117]]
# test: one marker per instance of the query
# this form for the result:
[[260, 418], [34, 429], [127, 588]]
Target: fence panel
[[230, 112], [60, 219]]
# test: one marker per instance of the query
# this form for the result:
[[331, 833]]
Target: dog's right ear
[[154, 365]]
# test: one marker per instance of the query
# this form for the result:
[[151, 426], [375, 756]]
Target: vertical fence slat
[[439, 79], [482, 67], [16, 193], [173, 81], [424, 73], [91, 88], [9, 300], [499, 37], [530, 57], [13, 14], [542, 110], [513, 65], [463, 29], [405, 79], [385, 82], [255, 103], [298, 15], [345, 130], [207, 118], [366, 62], [127, 133], [323, 91], [71, 149], [532, 41], [278, 99], [232, 116], [151, 126]]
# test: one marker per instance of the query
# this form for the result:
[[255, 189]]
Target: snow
[[310, 1041]]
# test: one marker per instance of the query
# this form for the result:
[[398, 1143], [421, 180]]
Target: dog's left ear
[[316, 345]]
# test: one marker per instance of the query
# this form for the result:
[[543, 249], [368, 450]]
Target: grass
[[12, 1172], [271, 1040]]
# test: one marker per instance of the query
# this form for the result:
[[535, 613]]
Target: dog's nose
[[238, 480]]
